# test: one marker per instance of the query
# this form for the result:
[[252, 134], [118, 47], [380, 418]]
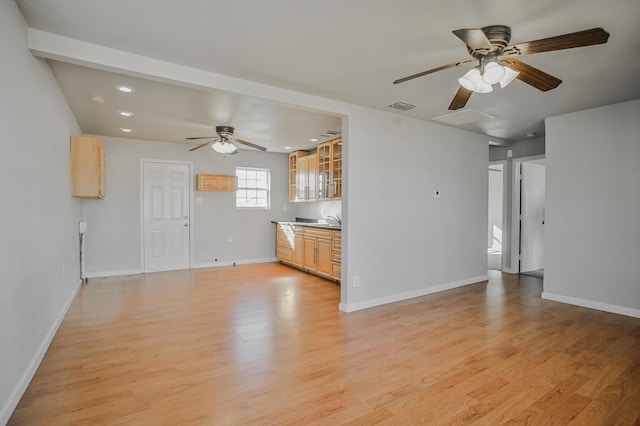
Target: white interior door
[[166, 214], [532, 196]]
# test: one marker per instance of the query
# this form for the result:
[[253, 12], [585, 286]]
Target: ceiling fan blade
[[475, 38], [531, 75], [444, 67], [565, 41], [200, 137], [201, 145], [252, 145], [460, 99]]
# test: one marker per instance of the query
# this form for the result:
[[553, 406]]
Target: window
[[254, 188]]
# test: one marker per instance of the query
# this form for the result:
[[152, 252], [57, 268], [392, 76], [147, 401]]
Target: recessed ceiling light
[[286, 147], [531, 135], [125, 113], [313, 140], [125, 89], [97, 99], [124, 129]]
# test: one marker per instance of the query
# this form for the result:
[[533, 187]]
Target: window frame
[[252, 188]]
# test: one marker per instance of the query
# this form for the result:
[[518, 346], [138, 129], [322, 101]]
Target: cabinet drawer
[[336, 235], [315, 232], [284, 253], [336, 270], [336, 245], [336, 256]]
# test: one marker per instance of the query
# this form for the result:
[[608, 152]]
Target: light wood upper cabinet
[[306, 173], [88, 168], [293, 173], [330, 170], [220, 183], [316, 176]]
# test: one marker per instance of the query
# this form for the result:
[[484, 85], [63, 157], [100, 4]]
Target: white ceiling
[[345, 50]]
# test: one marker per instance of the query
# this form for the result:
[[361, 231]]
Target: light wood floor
[[266, 344]]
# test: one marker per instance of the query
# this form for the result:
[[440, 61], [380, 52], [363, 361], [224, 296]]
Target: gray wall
[[39, 247], [113, 237], [593, 208]]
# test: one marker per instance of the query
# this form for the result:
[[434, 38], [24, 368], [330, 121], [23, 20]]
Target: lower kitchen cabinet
[[311, 249]]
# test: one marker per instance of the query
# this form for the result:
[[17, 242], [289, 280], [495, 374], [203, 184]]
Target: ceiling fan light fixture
[[509, 76], [473, 81], [224, 147], [493, 73]]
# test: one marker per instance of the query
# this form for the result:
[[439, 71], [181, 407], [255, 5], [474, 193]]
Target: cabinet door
[[323, 257], [301, 178], [312, 178], [324, 171], [88, 173], [310, 253], [298, 249], [336, 169]]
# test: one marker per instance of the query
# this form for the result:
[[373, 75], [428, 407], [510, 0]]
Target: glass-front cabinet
[[330, 170]]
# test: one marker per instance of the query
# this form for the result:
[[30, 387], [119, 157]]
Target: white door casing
[[166, 215], [532, 210]]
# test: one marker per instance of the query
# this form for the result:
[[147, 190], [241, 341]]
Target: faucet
[[336, 219]]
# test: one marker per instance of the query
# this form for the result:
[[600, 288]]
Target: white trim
[[117, 273], [237, 262], [123, 272], [505, 180], [23, 383], [615, 309], [515, 209], [191, 183], [344, 307]]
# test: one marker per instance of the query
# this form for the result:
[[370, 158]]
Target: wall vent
[[402, 106]]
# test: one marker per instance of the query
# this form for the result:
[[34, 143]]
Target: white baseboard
[[113, 273], [122, 272], [615, 309], [234, 262], [23, 383], [344, 307]]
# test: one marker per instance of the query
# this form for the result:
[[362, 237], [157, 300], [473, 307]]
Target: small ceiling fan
[[224, 142], [490, 46]]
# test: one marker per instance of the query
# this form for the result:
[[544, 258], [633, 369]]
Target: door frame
[[191, 187], [505, 179], [515, 210]]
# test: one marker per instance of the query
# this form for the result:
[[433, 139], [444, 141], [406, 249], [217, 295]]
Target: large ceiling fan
[[490, 47], [224, 142]]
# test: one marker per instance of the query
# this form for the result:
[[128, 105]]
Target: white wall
[[593, 208], [401, 241], [38, 212], [113, 237]]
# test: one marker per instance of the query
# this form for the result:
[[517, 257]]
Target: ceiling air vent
[[402, 106], [460, 118], [330, 133]]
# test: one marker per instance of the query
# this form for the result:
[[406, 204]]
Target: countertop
[[310, 225]]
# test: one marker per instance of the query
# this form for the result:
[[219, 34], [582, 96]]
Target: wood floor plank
[[266, 344]]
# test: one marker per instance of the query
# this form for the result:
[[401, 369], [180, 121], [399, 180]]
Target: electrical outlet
[[356, 281], [436, 193]]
